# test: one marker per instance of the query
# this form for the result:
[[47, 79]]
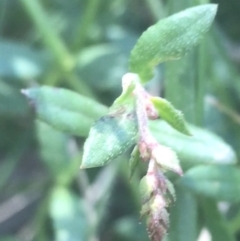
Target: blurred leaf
[[63, 109], [9, 163], [183, 217], [53, 148], [8, 238], [109, 63], [170, 39], [66, 100], [20, 61], [218, 182], [129, 228], [68, 216], [40, 19], [168, 113], [202, 148], [12, 103], [215, 221]]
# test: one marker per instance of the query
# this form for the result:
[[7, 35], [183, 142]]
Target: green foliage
[[215, 221], [183, 217], [117, 133], [202, 147], [218, 182], [134, 161], [68, 57], [117, 130], [71, 222], [63, 109], [170, 39], [168, 113], [168, 160]]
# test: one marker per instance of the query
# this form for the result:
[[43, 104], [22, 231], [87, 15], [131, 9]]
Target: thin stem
[[157, 9], [224, 109], [86, 21], [51, 38]]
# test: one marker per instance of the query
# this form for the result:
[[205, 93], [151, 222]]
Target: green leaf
[[55, 153], [147, 186], [53, 148], [63, 109], [107, 64], [171, 191], [218, 182], [168, 113], [112, 134], [215, 221], [170, 39], [203, 147], [134, 161], [109, 137], [167, 159], [129, 228], [183, 217], [66, 100], [68, 216]]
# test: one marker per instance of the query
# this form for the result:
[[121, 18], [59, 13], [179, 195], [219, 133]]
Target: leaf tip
[[81, 167], [25, 92], [188, 133], [214, 7]]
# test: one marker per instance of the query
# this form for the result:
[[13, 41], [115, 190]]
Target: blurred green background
[[84, 45]]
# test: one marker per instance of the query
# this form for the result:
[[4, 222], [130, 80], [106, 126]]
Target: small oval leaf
[[147, 186], [167, 159], [168, 113], [171, 38], [218, 182]]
